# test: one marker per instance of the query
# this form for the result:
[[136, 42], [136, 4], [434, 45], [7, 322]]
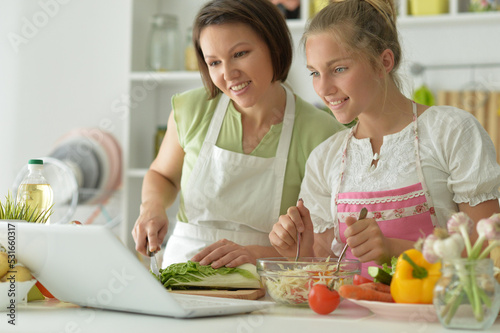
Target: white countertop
[[57, 317]]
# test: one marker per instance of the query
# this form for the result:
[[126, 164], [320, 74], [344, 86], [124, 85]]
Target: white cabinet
[[149, 104], [150, 92]]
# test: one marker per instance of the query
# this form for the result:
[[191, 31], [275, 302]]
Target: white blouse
[[457, 155]]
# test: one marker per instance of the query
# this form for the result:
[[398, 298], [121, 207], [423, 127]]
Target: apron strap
[[419, 166], [341, 176], [286, 134], [217, 119], [287, 128]]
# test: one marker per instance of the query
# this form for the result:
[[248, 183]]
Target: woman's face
[[347, 85], [239, 62]]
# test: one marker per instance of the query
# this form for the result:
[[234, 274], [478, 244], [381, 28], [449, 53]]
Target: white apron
[[231, 195]]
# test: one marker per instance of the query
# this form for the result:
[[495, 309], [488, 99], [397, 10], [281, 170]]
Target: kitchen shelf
[[446, 19], [457, 14]]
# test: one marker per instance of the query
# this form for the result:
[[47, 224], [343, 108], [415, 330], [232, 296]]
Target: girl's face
[[239, 62], [348, 85]]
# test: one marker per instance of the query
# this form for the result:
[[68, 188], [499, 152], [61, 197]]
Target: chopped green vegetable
[[379, 275], [192, 275], [390, 268], [383, 274]]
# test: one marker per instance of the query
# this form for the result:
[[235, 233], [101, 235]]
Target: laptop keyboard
[[195, 302]]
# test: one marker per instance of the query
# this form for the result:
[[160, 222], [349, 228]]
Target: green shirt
[[193, 113]]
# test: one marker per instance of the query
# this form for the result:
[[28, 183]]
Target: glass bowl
[[288, 282]]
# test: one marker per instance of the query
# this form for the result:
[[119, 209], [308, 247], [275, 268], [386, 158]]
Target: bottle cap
[[35, 161]]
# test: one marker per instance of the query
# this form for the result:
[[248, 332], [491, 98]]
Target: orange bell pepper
[[414, 278]]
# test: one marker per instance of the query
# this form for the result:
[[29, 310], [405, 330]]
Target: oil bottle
[[35, 190]]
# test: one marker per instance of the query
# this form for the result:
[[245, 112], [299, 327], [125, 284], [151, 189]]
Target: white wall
[[63, 65], [455, 43]]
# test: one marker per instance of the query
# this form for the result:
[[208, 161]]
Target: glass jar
[[467, 296], [190, 60], [164, 44]]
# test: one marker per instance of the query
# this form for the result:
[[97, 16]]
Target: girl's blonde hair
[[365, 27]]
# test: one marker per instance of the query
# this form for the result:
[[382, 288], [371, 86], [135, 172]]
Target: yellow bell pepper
[[414, 278]]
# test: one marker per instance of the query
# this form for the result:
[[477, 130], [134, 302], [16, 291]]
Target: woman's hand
[[366, 240], [150, 229], [283, 237], [224, 253]]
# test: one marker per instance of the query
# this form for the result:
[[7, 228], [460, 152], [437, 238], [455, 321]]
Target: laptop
[[89, 266]]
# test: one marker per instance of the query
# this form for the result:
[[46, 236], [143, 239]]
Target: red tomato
[[323, 300], [358, 279], [43, 290]]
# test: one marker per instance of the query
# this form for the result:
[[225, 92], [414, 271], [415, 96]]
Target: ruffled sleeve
[[469, 156]]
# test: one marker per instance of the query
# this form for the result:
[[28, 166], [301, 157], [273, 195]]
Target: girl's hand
[[366, 240], [224, 253], [283, 237]]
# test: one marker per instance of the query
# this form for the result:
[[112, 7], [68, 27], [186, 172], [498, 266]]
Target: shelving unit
[[151, 92], [458, 13]]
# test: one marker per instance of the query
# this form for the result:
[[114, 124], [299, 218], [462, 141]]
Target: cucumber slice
[[379, 275]]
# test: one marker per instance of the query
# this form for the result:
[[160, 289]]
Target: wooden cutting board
[[252, 294]]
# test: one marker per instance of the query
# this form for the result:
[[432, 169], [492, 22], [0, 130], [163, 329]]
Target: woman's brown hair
[[260, 15]]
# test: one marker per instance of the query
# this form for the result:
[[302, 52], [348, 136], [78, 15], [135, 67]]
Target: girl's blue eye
[[213, 63], [340, 69], [313, 74]]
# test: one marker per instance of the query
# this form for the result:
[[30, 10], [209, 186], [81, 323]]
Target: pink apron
[[405, 213]]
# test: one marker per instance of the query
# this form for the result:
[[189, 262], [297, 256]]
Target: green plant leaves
[[12, 210]]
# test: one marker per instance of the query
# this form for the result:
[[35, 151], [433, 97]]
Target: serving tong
[[362, 215], [298, 246]]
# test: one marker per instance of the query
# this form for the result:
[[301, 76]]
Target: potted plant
[[12, 210]]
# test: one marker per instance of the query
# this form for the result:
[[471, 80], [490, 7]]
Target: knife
[[153, 263]]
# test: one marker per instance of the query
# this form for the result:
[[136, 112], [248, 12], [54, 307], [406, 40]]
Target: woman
[[410, 165], [237, 148]]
